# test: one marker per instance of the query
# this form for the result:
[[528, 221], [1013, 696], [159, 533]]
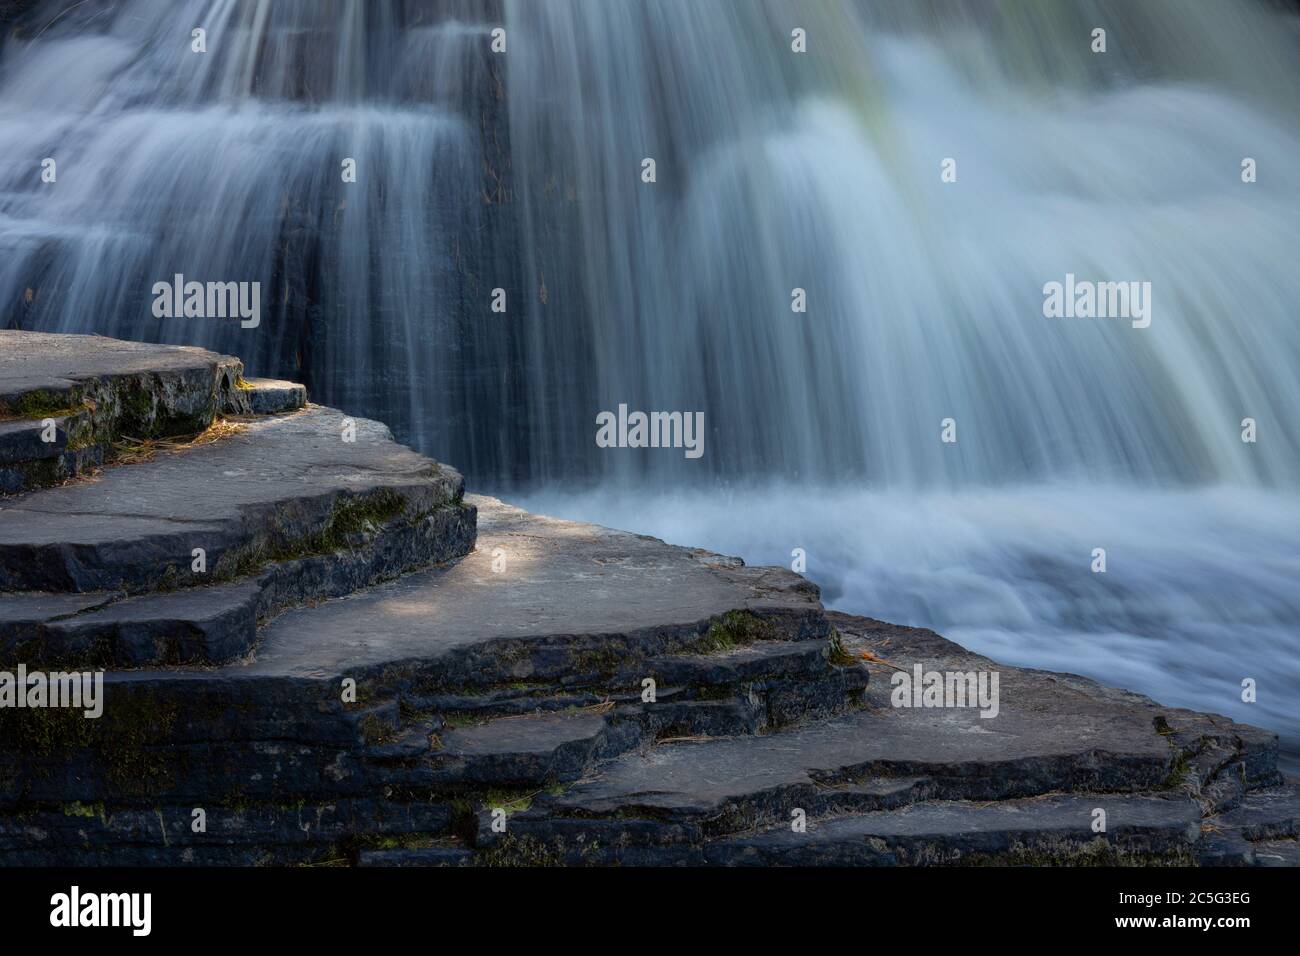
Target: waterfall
[[226, 166], [775, 171]]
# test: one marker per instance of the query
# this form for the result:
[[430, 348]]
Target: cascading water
[[776, 170]]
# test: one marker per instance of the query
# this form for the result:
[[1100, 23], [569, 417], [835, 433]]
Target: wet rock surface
[[384, 672]]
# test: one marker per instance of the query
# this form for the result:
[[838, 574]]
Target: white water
[[775, 170]]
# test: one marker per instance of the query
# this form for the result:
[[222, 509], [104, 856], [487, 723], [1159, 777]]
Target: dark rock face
[[380, 671], [96, 391], [282, 488], [902, 786], [268, 396], [182, 555]]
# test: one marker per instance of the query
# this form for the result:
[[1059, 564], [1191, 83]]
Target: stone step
[[269, 396], [42, 372], [218, 623], [45, 472], [533, 750], [1267, 814], [129, 769], [560, 740], [281, 488], [567, 599], [1141, 829], [193, 626], [1053, 830], [175, 746], [741, 781], [540, 601], [30, 609], [1263, 829], [22, 440], [1052, 732], [762, 660], [778, 682], [28, 461], [99, 390], [859, 762], [149, 746]]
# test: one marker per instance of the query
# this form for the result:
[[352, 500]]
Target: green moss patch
[[839, 654], [41, 403], [349, 519], [734, 629], [128, 741]]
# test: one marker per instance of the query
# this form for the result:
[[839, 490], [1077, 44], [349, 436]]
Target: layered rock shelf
[[317, 649]]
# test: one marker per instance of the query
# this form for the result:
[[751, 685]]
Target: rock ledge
[[375, 669]]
